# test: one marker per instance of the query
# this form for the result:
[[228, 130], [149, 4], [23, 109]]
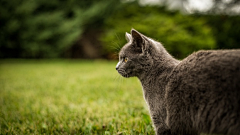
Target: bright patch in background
[[199, 5], [189, 5]]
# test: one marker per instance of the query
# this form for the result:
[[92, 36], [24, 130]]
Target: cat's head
[[135, 56]]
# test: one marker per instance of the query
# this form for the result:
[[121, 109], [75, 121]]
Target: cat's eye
[[125, 59]]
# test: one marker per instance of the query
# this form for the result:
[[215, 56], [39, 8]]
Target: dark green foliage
[[226, 30], [45, 29], [48, 29], [180, 34]]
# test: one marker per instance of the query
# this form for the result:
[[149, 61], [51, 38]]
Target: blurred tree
[[180, 34], [227, 7], [226, 30], [230, 7], [45, 29], [72, 29]]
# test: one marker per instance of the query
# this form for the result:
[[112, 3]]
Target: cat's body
[[207, 86], [200, 94]]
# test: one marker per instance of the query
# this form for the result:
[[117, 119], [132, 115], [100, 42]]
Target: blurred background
[[95, 29]]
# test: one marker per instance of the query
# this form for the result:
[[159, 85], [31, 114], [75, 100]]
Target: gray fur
[[200, 94]]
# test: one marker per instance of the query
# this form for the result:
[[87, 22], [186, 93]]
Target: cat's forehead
[[125, 49]]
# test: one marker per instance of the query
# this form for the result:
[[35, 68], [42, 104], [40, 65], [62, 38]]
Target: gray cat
[[200, 94]]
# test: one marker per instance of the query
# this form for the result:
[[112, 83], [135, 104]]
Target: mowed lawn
[[70, 97]]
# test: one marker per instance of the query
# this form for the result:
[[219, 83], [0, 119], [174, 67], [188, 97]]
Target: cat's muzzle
[[123, 73]]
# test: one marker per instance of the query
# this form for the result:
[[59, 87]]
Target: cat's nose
[[117, 67]]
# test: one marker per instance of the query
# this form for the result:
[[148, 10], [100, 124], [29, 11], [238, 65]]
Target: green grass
[[70, 97]]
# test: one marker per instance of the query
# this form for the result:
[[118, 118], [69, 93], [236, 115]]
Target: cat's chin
[[124, 75]]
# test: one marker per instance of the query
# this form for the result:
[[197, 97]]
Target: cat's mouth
[[123, 73]]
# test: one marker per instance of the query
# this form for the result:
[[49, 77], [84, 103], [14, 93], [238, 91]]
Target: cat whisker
[[116, 78], [114, 47]]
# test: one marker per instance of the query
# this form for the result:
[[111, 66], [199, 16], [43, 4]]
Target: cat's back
[[208, 84], [215, 72], [213, 64], [226, 59]]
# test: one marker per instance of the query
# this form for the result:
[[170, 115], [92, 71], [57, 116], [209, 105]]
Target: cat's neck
[[159, 68], [163, 64]]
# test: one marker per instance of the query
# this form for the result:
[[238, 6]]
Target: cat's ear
[[138, 39], [136, 36], [128, 37]]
